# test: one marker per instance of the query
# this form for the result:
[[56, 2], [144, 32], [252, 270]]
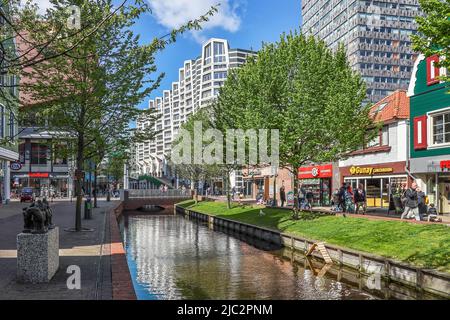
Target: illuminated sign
[[320, 171], [369, 170], [38, 174]]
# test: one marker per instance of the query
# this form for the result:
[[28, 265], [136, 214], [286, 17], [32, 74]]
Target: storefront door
[[444, 191]]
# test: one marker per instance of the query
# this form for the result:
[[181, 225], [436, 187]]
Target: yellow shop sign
[[369, 170]]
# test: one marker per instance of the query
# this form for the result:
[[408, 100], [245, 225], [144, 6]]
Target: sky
[[246, 24]]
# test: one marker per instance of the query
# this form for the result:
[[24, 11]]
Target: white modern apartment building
[[199, 81], [376, 34]]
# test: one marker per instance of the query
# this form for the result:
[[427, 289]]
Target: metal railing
[[156, 193]]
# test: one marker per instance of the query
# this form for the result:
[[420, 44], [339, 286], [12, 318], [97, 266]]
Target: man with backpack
[[411, 202], [341, 196]]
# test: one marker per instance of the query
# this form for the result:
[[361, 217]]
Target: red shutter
[[432, 79], [420, 133]]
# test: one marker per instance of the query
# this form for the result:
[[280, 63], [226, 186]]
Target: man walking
[[282, 195], [360, 199], [411, 203]]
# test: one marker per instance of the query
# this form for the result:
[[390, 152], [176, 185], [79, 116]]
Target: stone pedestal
[[37, 256]]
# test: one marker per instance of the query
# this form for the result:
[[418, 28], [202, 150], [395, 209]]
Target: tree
[[96, 87], [434, 32], [189, 169], [309, 93]]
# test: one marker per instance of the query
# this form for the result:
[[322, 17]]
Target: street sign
[[15, 166]]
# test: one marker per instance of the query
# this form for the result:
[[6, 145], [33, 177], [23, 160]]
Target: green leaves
[[309, 93], [434, 31]]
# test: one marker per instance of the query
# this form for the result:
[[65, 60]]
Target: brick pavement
[[89, 250]]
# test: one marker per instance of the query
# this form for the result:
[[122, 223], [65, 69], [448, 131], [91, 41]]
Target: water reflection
[[174, 258]]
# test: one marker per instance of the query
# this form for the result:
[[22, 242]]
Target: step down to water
[[320, 246]]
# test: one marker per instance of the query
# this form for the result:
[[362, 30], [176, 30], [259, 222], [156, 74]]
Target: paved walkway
[[86, 250]]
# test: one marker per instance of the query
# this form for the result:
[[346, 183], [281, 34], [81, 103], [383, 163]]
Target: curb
[[122, 284]]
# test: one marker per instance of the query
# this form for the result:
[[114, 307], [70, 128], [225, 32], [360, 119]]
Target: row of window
[[7, 123], [41, 154]]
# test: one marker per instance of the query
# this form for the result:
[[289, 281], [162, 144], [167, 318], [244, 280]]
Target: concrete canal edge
[[122, 284], [426, 280]]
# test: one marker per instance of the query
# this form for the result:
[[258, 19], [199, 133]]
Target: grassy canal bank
[[423, 245]]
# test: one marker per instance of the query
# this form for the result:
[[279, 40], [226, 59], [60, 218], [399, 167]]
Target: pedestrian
[[421, 200], [411, 203], [432, 214], [341, 195], [360, 198], [282, 194], [335, 201], [301, 197], [349, 206], [309, 199]]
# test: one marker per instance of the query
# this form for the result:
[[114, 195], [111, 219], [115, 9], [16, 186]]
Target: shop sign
[[38, 174], [15, 166], [370, 171], [322, 171], [445, 164]]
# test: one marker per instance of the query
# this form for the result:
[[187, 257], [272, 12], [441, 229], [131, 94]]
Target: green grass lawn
[[422, 245]]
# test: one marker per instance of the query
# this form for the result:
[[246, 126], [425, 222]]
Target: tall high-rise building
[[199, 81], [376, 34]]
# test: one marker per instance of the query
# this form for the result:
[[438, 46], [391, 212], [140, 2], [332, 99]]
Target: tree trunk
[[296, 208], [95, 191], [227, 184], [108, 195], [79, 182]]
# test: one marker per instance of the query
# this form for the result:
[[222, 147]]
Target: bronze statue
[[38, 217]]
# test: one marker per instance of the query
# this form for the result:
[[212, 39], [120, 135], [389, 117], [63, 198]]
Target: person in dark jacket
[[360, 199], [421, 203], [341, 196], [282, 195], [411, 203]]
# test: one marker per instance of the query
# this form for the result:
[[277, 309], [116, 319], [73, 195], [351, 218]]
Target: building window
[[441, 128], [60, 154], [2, 121], [208, 54], [22, 153], [11, 125], [219, 52], [38, 153], [432, 70]]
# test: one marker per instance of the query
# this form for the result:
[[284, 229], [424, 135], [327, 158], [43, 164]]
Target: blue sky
[[245, 23]]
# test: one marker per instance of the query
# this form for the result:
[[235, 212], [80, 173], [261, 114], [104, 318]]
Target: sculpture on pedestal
[[38, 217]]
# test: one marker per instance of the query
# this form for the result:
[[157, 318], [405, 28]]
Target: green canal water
[[171, 257]]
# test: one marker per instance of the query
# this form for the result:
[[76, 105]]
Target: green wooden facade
[[427, 98]]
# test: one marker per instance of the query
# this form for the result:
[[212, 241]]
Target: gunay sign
[[369, 171]]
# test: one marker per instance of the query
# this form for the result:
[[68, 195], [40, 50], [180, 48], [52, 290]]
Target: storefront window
[[38, 153]]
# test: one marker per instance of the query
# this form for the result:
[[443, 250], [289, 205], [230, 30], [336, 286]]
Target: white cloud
[[174, 13]]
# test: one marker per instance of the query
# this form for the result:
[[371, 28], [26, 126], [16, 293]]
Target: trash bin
[[88, 208]]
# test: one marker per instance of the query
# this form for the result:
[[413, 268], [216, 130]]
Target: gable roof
[[391, 108]]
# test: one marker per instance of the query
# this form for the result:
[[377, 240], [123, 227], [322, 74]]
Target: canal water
[[171, 257]]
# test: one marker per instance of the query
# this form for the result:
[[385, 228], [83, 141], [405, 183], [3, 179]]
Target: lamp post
[[274, 173]]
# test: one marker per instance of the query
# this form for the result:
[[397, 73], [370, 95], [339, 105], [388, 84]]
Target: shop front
[[381, 181], [43, 183], [433, 176], [318, 179]]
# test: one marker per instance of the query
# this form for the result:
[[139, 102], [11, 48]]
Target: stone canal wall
[[122, 284], [425, 280]]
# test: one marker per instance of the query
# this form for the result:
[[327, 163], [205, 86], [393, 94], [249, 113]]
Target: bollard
[[88, 208]]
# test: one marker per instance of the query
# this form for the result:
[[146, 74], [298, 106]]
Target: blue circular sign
[[15, 166]]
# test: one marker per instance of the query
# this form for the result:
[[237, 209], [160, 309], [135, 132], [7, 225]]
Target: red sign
[[445, 164], [314, 172], [38, 174]]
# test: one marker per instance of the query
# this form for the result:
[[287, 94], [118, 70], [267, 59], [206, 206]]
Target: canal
[[171, 257]]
